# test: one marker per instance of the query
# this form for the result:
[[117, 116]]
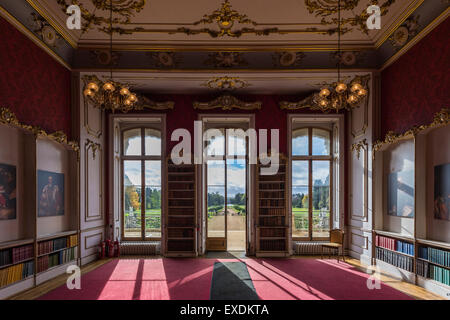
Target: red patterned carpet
[[190, 279]]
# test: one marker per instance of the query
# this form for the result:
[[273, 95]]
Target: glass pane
[[152, 142], [132, 142], [321, 198], [216, 199], [214, 142], [300, 145], [132, 198], [153, 199], [300, 199], [236, 204], [400, 188], [236, 145], [320, 142]]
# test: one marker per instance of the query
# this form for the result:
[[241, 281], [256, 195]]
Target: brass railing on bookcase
[[272, 224], [181, 220]]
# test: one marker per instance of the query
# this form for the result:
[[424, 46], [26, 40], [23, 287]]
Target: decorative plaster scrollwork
[[227, 102]]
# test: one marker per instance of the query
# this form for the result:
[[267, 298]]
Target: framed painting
[[50, 194], [442, 192], [8, 192]]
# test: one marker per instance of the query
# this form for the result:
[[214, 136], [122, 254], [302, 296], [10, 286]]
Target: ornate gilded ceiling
[[219, 35]]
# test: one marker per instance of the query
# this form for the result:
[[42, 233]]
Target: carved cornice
[[146, 103], [442, 118], [9, 118], [227, 102], [306, 103], [358, 146], [226, 83]]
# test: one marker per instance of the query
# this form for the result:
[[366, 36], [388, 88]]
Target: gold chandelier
[[339, 95], [110, 95]]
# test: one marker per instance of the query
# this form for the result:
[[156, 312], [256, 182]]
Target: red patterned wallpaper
[[32, 84], [415, 87]]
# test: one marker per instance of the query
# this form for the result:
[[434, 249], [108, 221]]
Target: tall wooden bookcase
[[181, 219], [36, 247], [272, 221]]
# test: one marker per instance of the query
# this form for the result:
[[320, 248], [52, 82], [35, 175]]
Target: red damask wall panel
[[416, 86], [32, 84]]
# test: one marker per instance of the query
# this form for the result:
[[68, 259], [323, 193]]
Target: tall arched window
[[311, 174], [142, 177]]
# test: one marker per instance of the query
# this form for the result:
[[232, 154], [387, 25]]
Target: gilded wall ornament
[[227, 102], [405, 32], [89, 144], [287, 59], [146, 103], [226, 60], [105, 58], [348, 58], [327, 9], [440, 119], [8, 117], [226, 83], [47, 33], [358, 146], [165, 59]]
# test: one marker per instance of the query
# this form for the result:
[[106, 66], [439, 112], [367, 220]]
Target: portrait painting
[[8, 192], [442, 192], [50, 194], [401, 194]]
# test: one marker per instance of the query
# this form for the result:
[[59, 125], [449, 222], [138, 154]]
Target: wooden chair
[[336, 243]]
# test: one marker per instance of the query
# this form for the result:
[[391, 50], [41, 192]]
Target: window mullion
[[310, 202], [143, 222]]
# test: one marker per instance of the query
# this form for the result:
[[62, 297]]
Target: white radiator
[[310, 248], [140, 248]]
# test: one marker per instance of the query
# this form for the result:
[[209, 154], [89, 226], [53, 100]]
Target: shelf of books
[[181, 222], [16, 266], [433, 265], [272, 228], [54, 254], [396, 252]]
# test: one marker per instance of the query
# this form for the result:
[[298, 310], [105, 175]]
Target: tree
[[215, 199], [297, 200]]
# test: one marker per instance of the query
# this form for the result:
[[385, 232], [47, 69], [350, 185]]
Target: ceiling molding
[[401, 19], [430, 27], [30, 35], [61, 30], [227, 102]]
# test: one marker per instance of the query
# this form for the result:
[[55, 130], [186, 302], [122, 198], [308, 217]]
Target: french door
[[141, 158], [226, 193]]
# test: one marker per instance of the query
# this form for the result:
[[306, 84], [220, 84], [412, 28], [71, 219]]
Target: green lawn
[[303, 211]]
